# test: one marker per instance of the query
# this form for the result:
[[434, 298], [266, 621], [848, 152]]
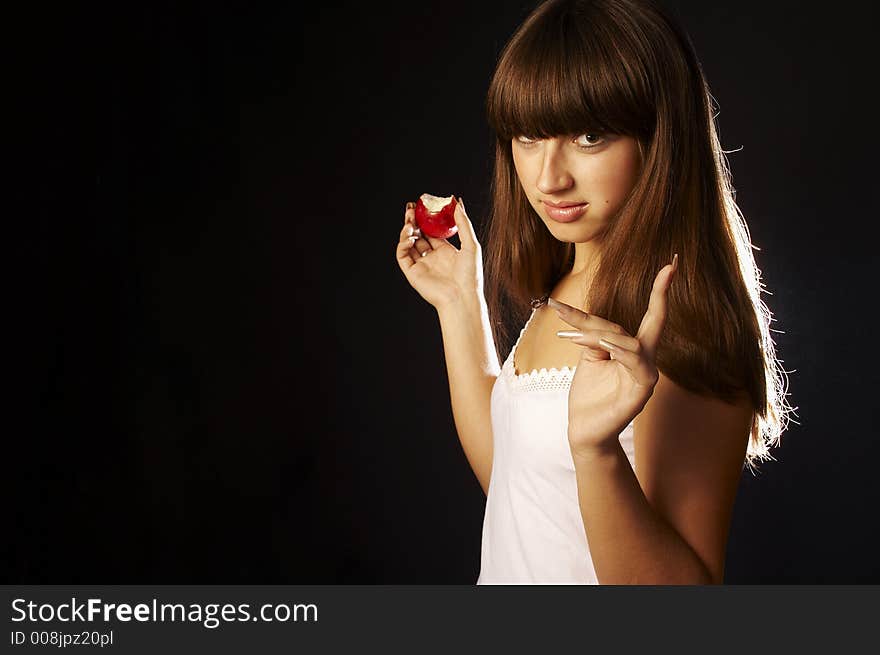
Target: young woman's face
[[596, 170]]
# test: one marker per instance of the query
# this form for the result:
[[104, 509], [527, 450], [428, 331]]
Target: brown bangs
[[556, 77]]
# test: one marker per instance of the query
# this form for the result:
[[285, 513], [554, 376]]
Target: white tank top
[[533, 532]]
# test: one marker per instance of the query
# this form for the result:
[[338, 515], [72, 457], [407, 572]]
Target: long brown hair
[[628, 67]]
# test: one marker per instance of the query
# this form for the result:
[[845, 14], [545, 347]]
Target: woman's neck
[[574, 286], [585, 258]]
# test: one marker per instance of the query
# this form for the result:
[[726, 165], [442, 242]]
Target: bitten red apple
[[435, 216]]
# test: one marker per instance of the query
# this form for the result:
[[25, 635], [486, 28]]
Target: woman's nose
[[554, 175]]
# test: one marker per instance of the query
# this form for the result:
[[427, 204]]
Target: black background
[[227, 378]]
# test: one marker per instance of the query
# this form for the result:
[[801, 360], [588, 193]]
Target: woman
[[611, 441]]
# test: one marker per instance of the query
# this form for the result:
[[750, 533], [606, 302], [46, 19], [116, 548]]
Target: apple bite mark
[[435, 215]]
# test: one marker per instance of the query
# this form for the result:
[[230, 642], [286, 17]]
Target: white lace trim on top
[[552, 379]]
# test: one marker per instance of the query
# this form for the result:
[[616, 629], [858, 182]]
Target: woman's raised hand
[[441, 273], [616, 374]]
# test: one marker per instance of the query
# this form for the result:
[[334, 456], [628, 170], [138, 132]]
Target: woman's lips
[[566, 214]]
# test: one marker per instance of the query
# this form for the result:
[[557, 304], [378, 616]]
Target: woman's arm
[[666, 523], [472, 367], [451, 279]]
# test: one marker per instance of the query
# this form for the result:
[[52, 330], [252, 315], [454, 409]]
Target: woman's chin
[[570, 233]]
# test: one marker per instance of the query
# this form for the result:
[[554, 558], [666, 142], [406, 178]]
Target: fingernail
[[409, 230], [555, 304], [461, 202], [610, 347], [675, 262], [568, 334]]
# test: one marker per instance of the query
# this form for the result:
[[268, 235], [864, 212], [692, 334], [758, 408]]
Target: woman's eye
[[587, 144], [586, 141]]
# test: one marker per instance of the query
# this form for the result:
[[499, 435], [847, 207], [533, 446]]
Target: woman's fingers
[[420, 245], [655, 317], [591, 338], [413, 244], [406, 253], [637, 366], [409, 218], [625, 349], [466, 232], [649, 331], [636, 361], [582, 320], [436, 244]]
